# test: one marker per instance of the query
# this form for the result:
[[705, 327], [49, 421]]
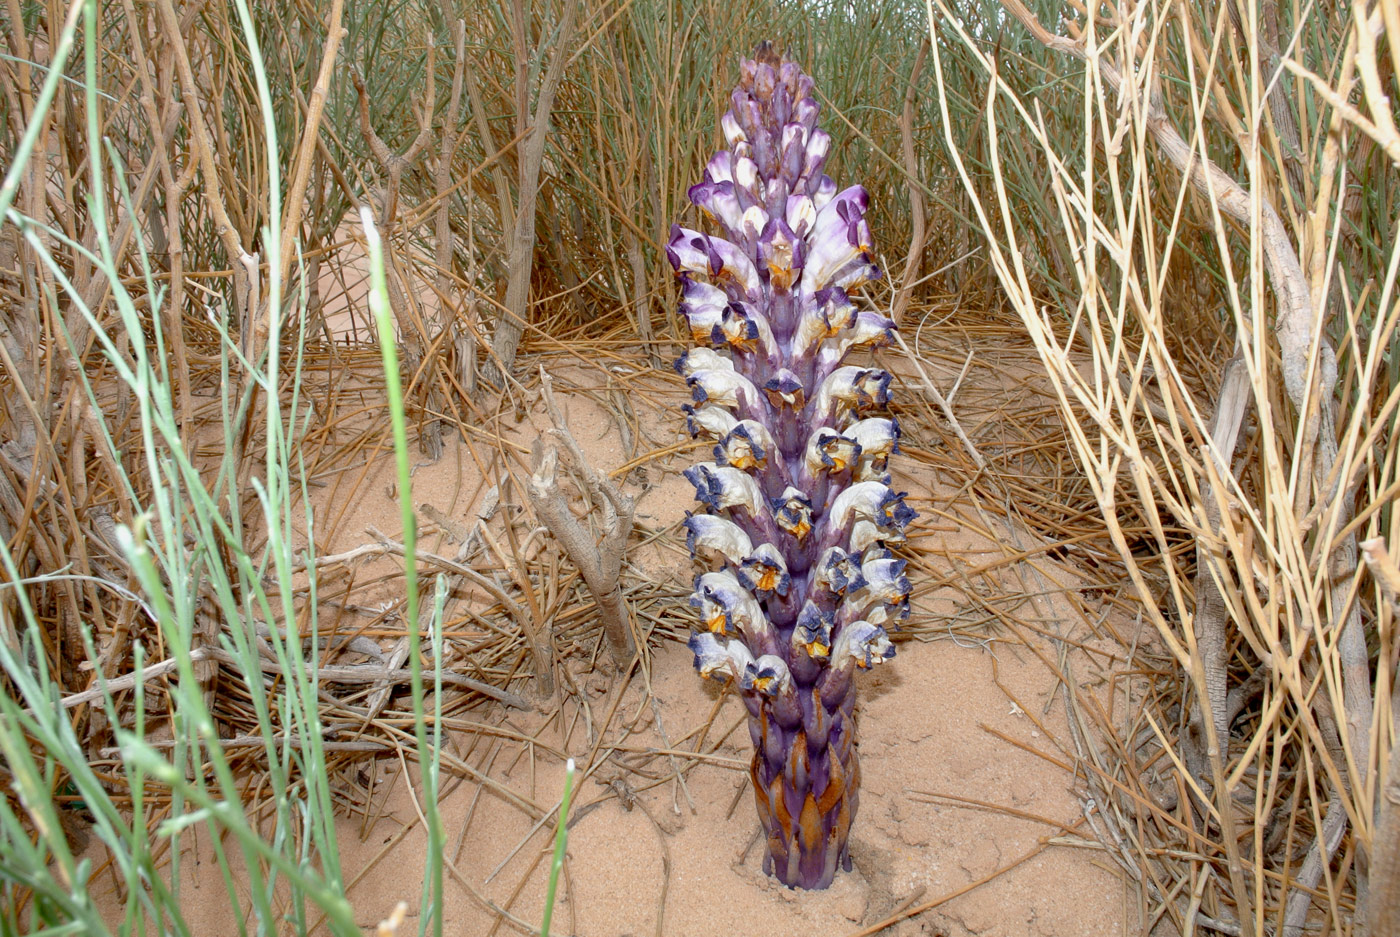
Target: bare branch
[[599, 564], [516, 314]]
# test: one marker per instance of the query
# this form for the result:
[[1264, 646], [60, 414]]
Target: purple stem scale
[[800, 584]]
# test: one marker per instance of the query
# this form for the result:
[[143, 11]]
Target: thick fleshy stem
[[800, 583], [806, 779]]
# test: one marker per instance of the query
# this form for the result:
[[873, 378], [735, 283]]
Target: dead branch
[[395, 163], [301, 173], [914, 259], [1212, 615], [1309, 383], [599, 563], [1384, 898], [511, 325], [359, 674]]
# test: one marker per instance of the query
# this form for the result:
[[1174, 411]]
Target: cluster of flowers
[[801, 585]]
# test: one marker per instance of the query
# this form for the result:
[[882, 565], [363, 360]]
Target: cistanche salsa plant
[[801, 585]]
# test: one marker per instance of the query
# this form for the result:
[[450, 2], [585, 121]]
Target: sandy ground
[[955, 802], [927, 748]]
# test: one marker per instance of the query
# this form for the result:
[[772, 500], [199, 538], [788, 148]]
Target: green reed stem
[[561, 839]]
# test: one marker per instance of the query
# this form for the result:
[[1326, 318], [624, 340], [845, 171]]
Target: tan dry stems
[[1271, 624]]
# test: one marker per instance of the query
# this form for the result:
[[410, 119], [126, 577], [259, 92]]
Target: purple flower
[[716, 258], [747, 446], [723, 387], [707, 535], [851, 390], [717, 658], [726, 607], [862, 644], [799, 498], [702, 359], [723, 486], [711, 421], [767, 675], [839, 573], [764, 570], [830, 451]]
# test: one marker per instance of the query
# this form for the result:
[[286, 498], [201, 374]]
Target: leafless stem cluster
[[1273, 473]]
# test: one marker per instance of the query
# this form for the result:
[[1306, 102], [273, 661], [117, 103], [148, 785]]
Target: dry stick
[[1384, 898], [403, 296], [942, 404], [545, 818], [600, 564], [641, 299], [914, 259], [1211, 611], [665, 866], [531, 624], [301, 174], [259, 741], [933, 797], [1281, 109], [461, 879], [509, 328], [360, 674], [520, 884], [395, 548], [395, 163], [224, 227], [1350, 644], [463, 340], [175, 189], [505, 208], [96, 289]]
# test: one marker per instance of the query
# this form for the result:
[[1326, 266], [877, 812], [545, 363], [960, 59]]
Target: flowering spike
[[799, 490]]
